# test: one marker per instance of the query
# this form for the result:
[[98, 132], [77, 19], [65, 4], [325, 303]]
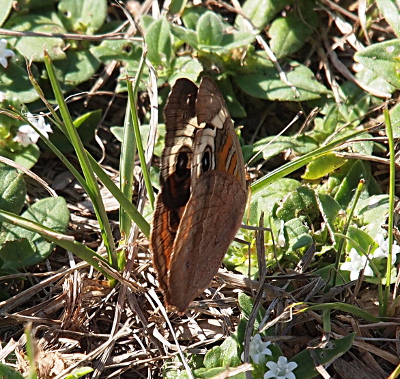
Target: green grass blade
[[132, 142], [124, 202], [92, 187], [127, 162], [392, 183], [343, 307], [146, 176], [129, 208], [288, 168]]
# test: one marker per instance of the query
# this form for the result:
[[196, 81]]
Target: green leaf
[[232, 41], [373, 212], [35, 4], [326, 126], [261, 12], [185, 67], [330, 207], [267, 198], [15, 253], [288, 34], [324, 356], [209, 29], [27, 157], [186, 35], [79, 372], [395, 120], [246, 306], [118, 132], [125, 51], [12, 189], [9, 373], [361, 238], [391, 12], [159, 43], [272, 146], [213, 357], [78, 67], [353, 173], [191, 16], [82, 16], [266, 84], [32, 47], [383, 59], [355, 104], [300, 201], [323, 166], [230, 354], [6, 9], [49, 212], [177, 6], [373, 80], [298, 234], [208, 373], [15, 83]]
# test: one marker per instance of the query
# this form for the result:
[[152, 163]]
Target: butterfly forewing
[[175, 175], [203, 196]]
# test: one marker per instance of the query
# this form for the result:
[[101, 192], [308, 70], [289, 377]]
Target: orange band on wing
[[227, 158]]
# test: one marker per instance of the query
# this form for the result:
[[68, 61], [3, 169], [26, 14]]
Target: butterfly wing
[[216, 205], [209, 223], [175, 175]]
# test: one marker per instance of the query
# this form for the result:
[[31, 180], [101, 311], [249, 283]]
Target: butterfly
[[203, 192]]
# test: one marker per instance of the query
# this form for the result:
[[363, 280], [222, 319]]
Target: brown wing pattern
[[203, 195], [175, 175]]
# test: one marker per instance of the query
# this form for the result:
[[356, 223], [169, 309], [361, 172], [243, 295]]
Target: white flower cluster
[[358, 262], [26, 135], [5, 53], [279, 370]]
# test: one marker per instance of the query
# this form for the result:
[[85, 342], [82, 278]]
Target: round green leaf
[[125, 51], [24, 248], [159, 43], [15, 83], [9, 373], [78, 67], [33, 47], [261, 12], [288, 34], [383, 59], [210, 29], [185, 67], [6, 9], [12, 189], [82, 16], [262, 80]]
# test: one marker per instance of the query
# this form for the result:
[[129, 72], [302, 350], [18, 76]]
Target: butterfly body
[[203, 191]]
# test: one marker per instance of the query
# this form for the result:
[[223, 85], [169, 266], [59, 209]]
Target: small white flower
[[382, 251], [281, 235], [356, 264], [26, 135], [258, 349], [5, 53], [280, 370], [2, 96]]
